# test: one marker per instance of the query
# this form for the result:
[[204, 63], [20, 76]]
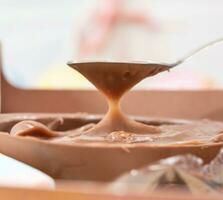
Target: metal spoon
[[165, 66]]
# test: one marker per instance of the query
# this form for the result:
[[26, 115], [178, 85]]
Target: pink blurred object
[[93, 36]]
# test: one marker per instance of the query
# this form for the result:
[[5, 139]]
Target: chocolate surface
[[189, 132], [91, 160]]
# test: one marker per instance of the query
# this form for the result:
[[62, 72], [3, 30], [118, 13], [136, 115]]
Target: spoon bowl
[[143, 65]]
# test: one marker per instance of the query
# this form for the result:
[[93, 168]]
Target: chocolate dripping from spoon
[[113, 80]]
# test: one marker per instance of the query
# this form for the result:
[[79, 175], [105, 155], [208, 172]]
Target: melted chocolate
[[190, 133], [69, 156], [113, 80]]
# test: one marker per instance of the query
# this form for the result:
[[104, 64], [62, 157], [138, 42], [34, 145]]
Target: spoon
[[165, 66]]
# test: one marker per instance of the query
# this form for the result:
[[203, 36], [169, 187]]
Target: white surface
[[17, 174]]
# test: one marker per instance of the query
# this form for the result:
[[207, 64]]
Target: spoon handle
[[192, 53]]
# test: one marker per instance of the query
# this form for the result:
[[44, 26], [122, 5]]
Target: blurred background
[[39, 36]]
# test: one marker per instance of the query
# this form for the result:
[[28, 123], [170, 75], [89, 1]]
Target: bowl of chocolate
[[82, 146]]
